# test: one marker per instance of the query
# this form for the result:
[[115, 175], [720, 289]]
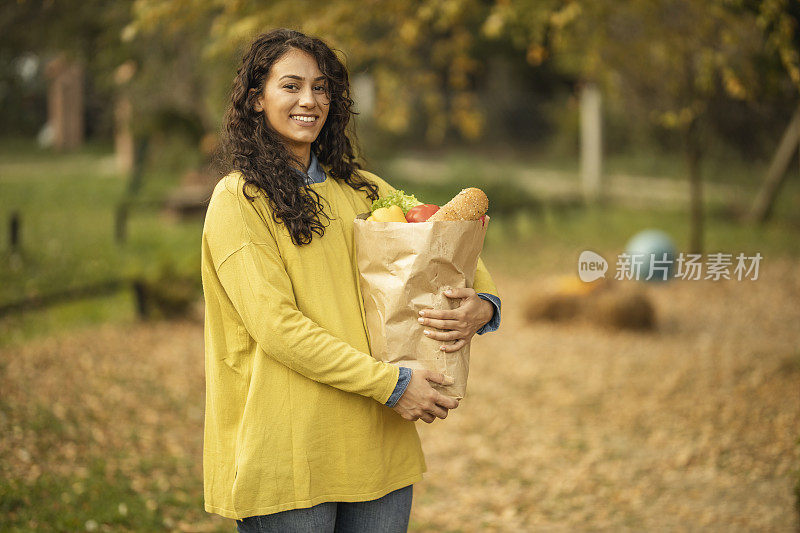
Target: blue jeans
[[388, 514]]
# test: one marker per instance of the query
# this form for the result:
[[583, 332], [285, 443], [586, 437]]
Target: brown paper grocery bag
[[405, 268]]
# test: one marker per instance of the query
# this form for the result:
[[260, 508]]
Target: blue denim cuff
[[400, 388], [494, 323]]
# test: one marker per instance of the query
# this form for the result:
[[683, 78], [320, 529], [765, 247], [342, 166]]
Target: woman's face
[[295, 100]]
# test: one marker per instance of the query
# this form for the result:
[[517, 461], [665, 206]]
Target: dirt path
[[565, 427]]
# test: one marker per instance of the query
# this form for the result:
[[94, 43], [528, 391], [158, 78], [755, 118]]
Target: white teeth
[[304, 119]]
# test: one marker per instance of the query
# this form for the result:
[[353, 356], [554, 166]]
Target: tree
[[672, 59], [421, 55], [170, 79], [81, 35]]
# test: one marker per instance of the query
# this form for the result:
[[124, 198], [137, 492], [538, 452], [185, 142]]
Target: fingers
[[442, 324], [438, 412], [447, 402], [451, 314], [438, 377], [427, 403], [442, 314], [443, 335], [460, 292], [449, 348], [428, 416], [438, 399]]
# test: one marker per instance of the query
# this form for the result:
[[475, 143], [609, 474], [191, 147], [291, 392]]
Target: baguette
[[469, 204]]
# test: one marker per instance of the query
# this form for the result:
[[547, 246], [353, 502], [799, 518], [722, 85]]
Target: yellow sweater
[[294, 400]]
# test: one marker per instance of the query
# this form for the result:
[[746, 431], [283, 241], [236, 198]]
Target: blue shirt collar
[[315, 173]]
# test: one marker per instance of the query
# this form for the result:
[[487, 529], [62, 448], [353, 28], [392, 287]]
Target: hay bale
[[560, 299], [601, 302], [623, 309], [553, 307]]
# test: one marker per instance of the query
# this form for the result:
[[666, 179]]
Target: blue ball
[[647, 248]]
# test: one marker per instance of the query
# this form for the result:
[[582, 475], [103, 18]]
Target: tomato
[[421, 213]]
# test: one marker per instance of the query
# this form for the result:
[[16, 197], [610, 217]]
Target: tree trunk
[[693, 157], [65, 102], [124, 141], [591, 142], [123, 134], [776, 175]]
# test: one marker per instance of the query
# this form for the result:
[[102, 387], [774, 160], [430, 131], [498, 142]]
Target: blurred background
[[612, 405]]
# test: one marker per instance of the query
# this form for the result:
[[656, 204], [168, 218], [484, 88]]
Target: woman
[[304, 430]]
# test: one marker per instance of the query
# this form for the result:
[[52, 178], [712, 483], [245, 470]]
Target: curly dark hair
[[252, 147]]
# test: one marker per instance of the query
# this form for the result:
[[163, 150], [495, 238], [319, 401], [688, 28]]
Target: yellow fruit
[[393, 213], [370, 218]]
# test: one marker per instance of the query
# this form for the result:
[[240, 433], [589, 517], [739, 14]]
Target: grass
[[555, 239], [717, 167], [109, 440], [67, 204], [535, 233], [70, 505]]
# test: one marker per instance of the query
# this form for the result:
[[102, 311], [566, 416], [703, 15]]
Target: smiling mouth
[[305, 119]]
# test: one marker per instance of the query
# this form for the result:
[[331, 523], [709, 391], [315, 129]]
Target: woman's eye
[[319, 88], [290, 86]]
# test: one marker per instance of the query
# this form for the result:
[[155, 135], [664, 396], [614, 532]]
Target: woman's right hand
[[421, 401]]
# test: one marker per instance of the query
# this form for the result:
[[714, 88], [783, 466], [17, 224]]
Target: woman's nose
[[307, 98]]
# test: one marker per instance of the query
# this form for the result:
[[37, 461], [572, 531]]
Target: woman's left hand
[[459, 324]]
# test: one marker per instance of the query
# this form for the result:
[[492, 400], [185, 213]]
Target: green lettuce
[[400, 198]]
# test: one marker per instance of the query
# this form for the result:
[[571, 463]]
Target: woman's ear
[[258, 107]]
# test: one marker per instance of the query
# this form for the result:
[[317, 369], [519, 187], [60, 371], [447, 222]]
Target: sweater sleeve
[[486, 289], [483, 280], [260, 290], [254, 278]]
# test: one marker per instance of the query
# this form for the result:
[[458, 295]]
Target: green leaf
[[400, 198]]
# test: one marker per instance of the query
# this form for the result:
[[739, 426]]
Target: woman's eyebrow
[[296, 77]]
